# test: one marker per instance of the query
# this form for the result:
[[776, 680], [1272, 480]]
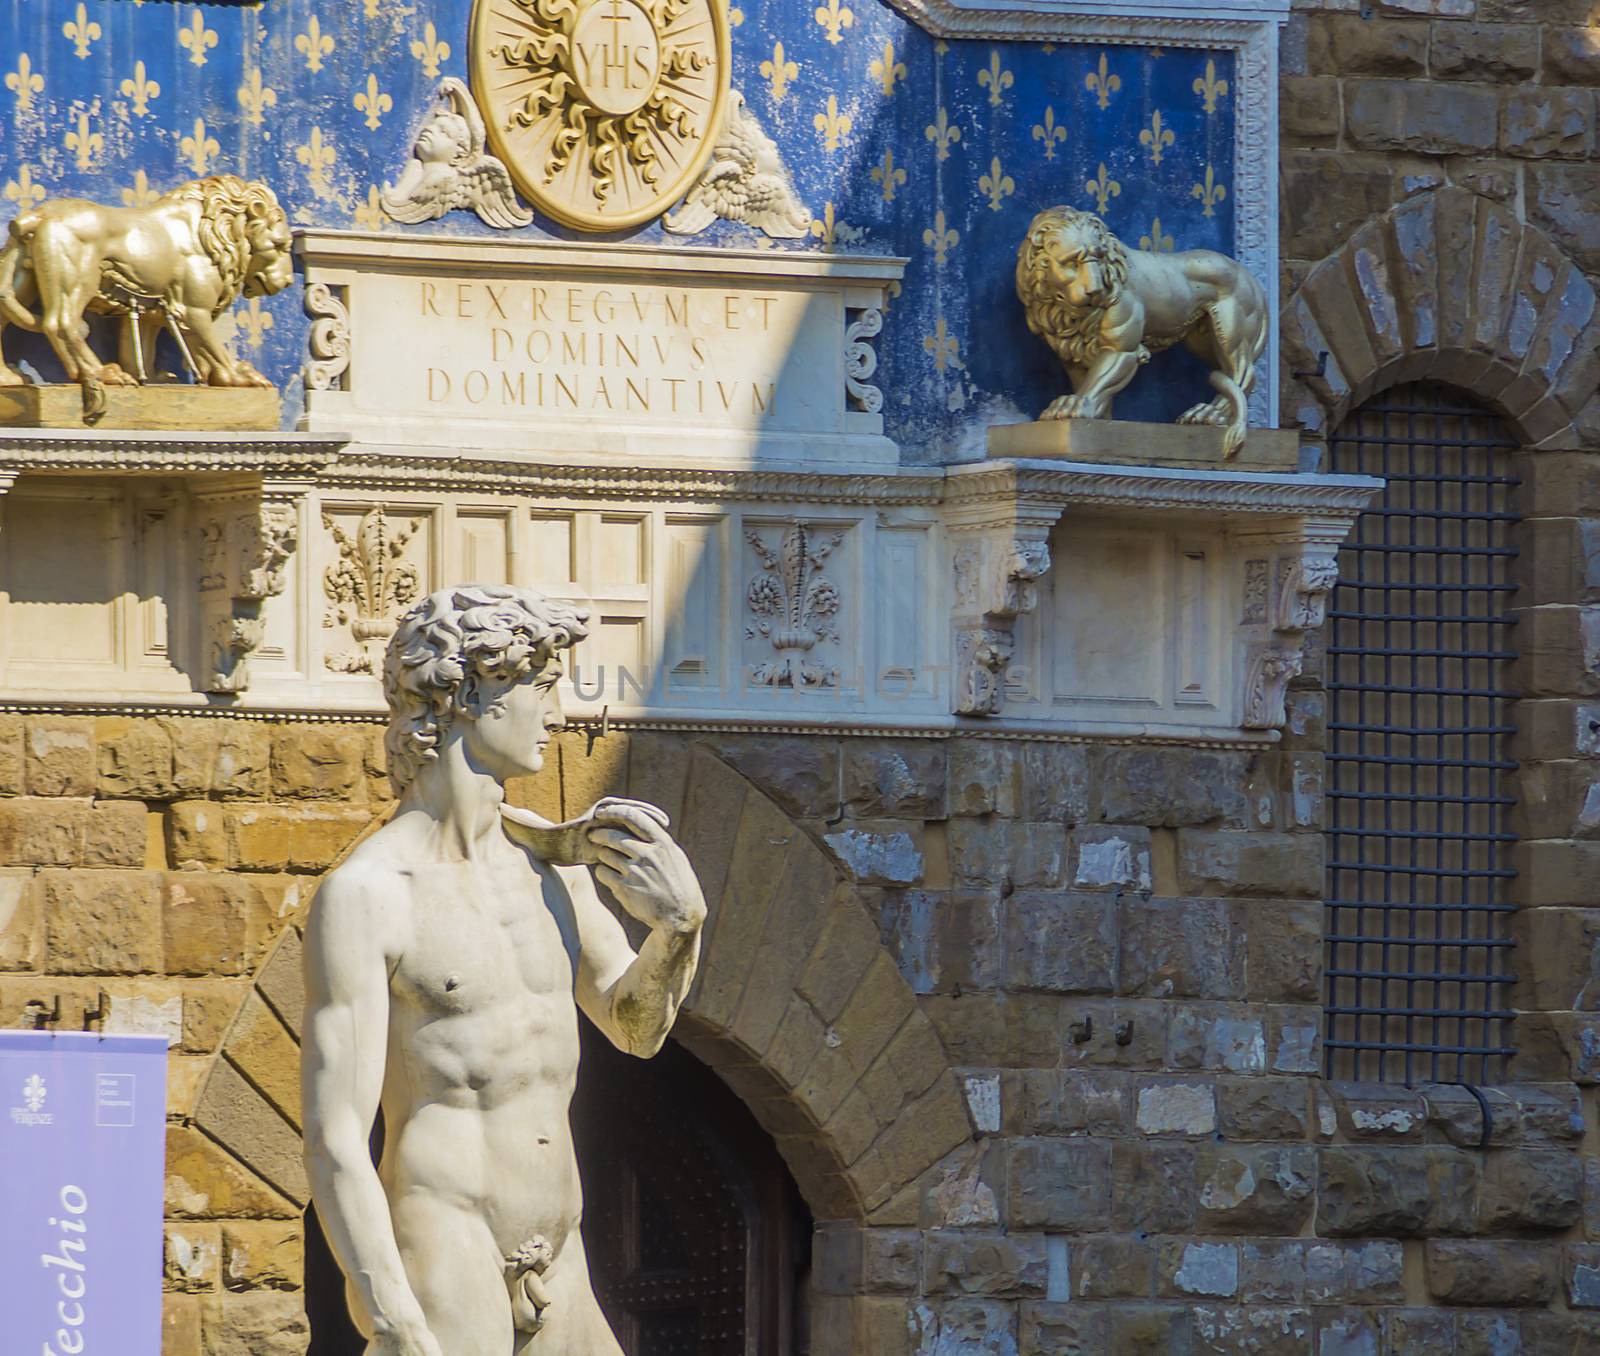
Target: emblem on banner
[[34, 1094], [604, 111]]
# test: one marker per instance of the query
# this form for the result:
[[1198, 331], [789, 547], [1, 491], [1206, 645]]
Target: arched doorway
[[699, 1242]]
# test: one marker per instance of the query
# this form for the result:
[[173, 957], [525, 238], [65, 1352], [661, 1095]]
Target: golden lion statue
[[1105, 308], [181, 261]]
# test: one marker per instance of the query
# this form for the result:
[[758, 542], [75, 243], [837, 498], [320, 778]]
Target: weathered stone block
[[134, 756], [1263, 1108], [42, 832], [191, 1257], [319, 762], [801, 775], [1308, 110], [1250, 1190], [1189, 1268], [883, 852], [1486, 52], [1583, 1275], [1563, 199], [222, 757], [968, 1262], [257, 1323], [1185, 948], [102, 922], [1540, 122], [1172, 788], [1280, 865], [1395, 115], [1111, 857], [196, 837], [1176, 1108], [1055, 783], [1152, 1187], [206, 923], [1570, 55], [1112, 1266], [944, 941], [1418, 1332], [1529, 1189], [1348, 44], [985, 777], [1060, 943], [289, 838], [58, 756], [206, 1182], [21, 921], [1062, 1330], [263, 1254], [116, 833], [1327, 196], [1060, 1184], [1283, 951], [1478, 1273], [1262, 1332], [901, 780], [1216, 1037], [1365, 1192]]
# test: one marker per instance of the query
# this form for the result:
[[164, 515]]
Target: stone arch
[[1449, 286], [798, 1006]]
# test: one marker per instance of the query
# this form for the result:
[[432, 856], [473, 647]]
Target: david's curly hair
[[482, 630]]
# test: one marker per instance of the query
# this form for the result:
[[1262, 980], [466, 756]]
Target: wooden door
[[698, 1241]]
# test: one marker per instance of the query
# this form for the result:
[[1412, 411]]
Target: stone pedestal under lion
[[446, 960]]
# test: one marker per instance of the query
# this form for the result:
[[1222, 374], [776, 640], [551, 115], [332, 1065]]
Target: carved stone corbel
[[1300, 574], [247, 536], [997, 565]]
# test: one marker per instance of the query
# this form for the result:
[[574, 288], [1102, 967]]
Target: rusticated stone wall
[[1036, 1024]]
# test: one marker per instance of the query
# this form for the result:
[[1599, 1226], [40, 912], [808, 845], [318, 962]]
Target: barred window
[[1418, 943]]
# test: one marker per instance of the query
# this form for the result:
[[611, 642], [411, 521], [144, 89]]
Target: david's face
[[515, 722]]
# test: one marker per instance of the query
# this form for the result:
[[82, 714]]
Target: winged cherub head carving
[[449, 168]]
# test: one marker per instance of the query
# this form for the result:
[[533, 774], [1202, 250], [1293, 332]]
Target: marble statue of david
[[446, 959]]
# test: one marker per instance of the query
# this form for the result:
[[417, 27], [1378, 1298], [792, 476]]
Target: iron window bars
[[1418, 940]]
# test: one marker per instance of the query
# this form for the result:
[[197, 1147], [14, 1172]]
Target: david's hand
[[647, 872]]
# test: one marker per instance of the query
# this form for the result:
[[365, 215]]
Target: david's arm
[[634, 999], [342, 1067]]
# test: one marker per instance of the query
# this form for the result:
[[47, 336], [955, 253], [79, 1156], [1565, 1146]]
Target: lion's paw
[[1064, 407], [11, 378], [113, 375], [1213, 413]]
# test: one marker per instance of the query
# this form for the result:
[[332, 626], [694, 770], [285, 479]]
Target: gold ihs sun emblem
[[605, 111]]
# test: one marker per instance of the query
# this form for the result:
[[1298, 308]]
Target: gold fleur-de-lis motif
[[996, 185], [1155, 242], [197, 39], [430, 51], [888, 176], [832, 124], [1156, 137], [997, 80], [254, 322], [940, 238], [779, 72], [736, 17], [256, 98], [141, 194], [942, 133], [831, 229], [22, 190], [81, 31], [199, 148], [371, 7], [318, 157], [943, 345], [1101, 83], [373, 102], [886, 69], [1209, 194], [1103, 188], [370, 215], [84, 142], [314, 44], [1209, 88], [141, 89], [835, 17], [1049, 131], [24, 82]]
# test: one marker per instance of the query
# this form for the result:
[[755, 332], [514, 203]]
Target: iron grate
[[1418, 936]]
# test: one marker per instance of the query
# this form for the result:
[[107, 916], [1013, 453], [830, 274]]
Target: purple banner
[[82, 1164]]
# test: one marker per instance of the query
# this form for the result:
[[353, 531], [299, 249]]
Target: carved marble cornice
[[126, 452], [1105, 21], [1147, 489]]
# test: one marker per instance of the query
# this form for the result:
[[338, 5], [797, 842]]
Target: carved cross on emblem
[[604, 111]]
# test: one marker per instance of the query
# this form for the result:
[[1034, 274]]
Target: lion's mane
[[227, 203], [1072, 331]]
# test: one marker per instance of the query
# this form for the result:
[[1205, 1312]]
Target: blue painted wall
[[940, 151]]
